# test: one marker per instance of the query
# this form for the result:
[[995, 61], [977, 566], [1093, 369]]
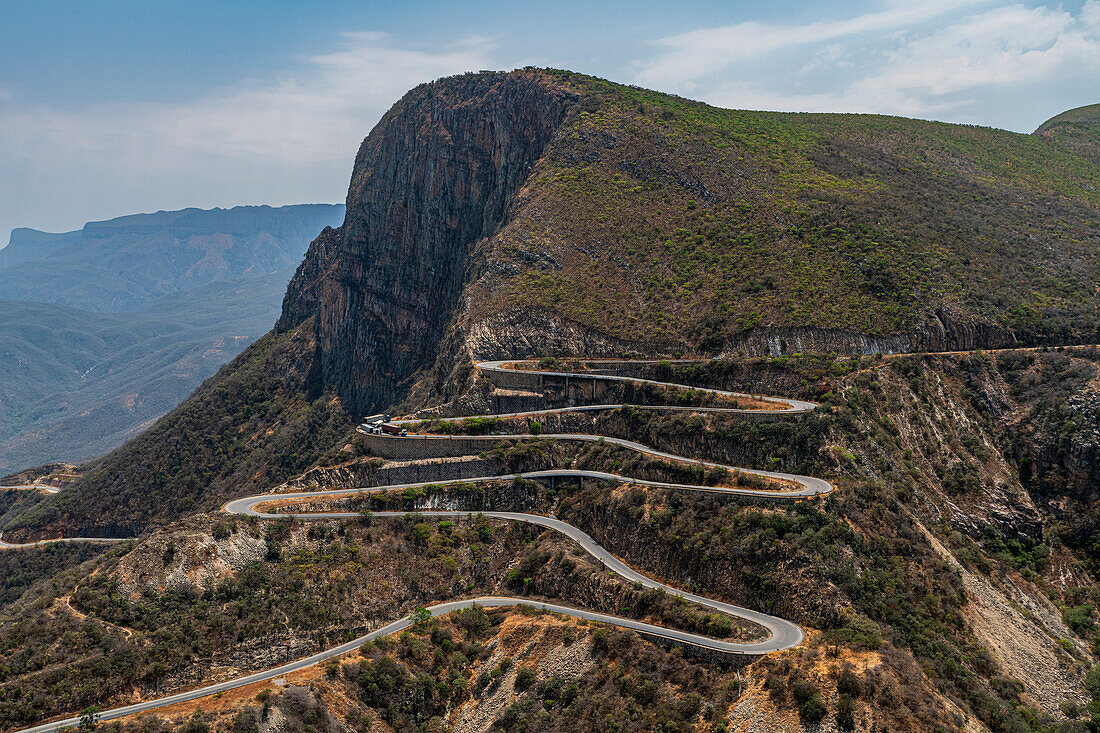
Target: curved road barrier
[[783, 634]]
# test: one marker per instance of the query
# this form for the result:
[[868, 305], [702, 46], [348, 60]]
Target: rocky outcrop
[[437, 174], [941, 330]]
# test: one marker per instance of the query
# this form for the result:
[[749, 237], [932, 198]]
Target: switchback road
[[783, 634]]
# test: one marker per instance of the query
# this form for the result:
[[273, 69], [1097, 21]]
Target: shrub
[[420, 617], [169, 552], [1081, 619], [847, 682], [845, 716], [195, 724], [813, 710], [811, 706], [473, 621], [525, 677], [421, 532], [273, 552], [802, 691]]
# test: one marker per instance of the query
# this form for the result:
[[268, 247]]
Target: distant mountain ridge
[[105, 328], [26, 245], [122, 264]]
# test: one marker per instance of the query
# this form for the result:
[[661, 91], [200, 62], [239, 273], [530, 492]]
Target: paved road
[[27, 545], [783, 634], [809, 486], [438, 609], [31, 487], [503, 366]]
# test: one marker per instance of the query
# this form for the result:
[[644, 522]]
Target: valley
[[104, 329]]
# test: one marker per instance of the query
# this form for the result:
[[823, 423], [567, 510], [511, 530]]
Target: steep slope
[[79, 384], [938, 589], [436, 175]]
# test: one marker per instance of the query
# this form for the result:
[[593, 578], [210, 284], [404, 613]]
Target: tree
[[811, 706], [89, 718], [1092, 684], [422, 532], [847, 682], [525, 677], [813, 710], [420, 616]]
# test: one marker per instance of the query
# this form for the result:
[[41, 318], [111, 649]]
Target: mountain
[[540, 212], [949, 583], [125, 263], [620, 218], [1077, 130], [197, 286], [26, 245]]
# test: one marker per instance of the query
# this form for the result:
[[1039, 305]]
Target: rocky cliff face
[[436, 175]]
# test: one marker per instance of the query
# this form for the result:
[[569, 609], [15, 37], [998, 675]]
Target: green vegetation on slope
[[655, 217], [1077, 130]]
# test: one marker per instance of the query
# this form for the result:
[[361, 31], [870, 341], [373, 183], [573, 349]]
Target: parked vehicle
[[393, 429]]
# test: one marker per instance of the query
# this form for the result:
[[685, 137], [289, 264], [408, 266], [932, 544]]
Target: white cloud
[[265, 141], [1009, 45], [321, 112], [696, 54], [918, 60]]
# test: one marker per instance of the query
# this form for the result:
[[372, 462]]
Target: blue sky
[[110, 108]]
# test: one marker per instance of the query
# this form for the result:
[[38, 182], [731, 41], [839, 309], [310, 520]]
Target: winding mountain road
[[29, 545], [39, 543], [783, 634], [32, 487]]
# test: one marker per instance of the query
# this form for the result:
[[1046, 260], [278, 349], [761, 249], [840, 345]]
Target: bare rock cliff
[[437, 174]]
